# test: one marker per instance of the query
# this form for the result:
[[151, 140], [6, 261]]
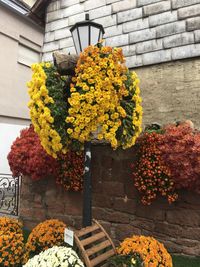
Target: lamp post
[[86, 33]]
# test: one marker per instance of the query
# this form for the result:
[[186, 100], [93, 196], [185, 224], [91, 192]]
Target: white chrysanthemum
[[56, 257]]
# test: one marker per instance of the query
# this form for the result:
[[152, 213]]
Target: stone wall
[[149, 31], [116, 205]]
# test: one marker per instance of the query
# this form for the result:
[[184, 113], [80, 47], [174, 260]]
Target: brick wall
[[149, 31], [116, 205]]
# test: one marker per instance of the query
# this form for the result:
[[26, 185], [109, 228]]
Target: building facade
[[160, 40], [21, 41]]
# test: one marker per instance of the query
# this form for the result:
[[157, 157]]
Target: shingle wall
[[149, 31]]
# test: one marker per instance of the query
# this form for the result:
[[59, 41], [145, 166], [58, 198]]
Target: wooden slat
[[102, 257], [93, 238], [106, 234], [87, 230], [98, 247], [84, 256]]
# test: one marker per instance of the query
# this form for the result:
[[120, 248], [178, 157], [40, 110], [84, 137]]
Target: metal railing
[[9, 194]]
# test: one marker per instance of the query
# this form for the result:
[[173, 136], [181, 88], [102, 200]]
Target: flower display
[[45, 235], [11, 249], [48, 107], [27, 157], [71, 170], [56, 256], [150, 174], [104, 98], [152, 252], [10, 225], [180, 150]]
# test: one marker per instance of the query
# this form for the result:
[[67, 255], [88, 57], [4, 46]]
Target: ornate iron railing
[[9, 194]]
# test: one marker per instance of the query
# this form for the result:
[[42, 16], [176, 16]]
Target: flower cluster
[[104, 98], [180, 150], [11, 243], [27, 157], [152, 252], [56, 256], [45, 235], [48, 108], [130, 260], [10, 225], [150, 174], [71, 170]]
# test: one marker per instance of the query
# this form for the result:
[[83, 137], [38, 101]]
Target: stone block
[[103, 201], [170, 28], [47, 57], [100, 12], [113, 31], [143, 224], [62, 33], [73, 19], [182, 3], [129, 15], [156, 57], [63, 43], [123, 231], [55, 15], [111, 1], [67, 3], [117, 40], [129, 50], [186, 51], [162, 18], [150, 212], [56, 25], [53, 6], [113, 188], [197, 36], [134, 61], [142, 35], [147, 2], [49, 47], [183, 217], [125, 205], [125, 5], [178, 39], [149, 46], [135, 25], [193, 24], [72, 10], [156, 8], [69, 50], [91, 4], [107, 21], [190, 11], [167, 229]]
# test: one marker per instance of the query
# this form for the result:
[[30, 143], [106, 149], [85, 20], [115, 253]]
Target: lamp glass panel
[[100, 35], [94, 35], [76, 40], [84, 36]]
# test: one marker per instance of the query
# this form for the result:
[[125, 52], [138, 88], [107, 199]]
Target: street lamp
[[86, 33]]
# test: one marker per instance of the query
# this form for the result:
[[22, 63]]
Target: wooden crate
[[94, 244]]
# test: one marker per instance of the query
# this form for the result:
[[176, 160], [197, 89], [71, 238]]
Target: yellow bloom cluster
[[100, 91], [11, 243], [40, 113], [45, 235], [152, 252]]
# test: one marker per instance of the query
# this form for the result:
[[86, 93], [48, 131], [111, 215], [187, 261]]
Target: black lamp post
[[86, 33]]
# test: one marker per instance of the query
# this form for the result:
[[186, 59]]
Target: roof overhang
[[38, 11]]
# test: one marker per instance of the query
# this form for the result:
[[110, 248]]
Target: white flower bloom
[[54, 257]]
